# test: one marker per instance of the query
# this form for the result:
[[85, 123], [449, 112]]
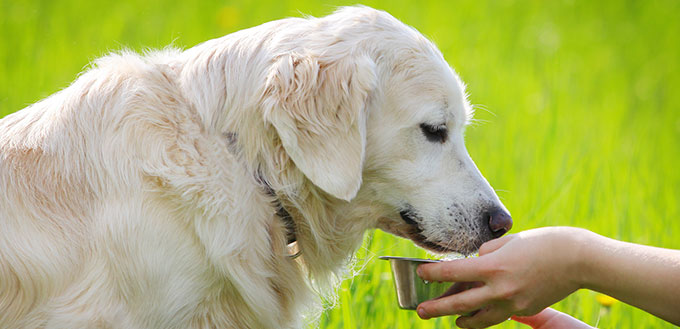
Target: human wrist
[[584, 259], [587, 263]]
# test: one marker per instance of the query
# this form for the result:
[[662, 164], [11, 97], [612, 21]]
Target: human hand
[[551, 319], [521, 274]]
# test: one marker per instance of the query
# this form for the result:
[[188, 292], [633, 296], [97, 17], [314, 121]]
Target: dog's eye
[[436, 133]]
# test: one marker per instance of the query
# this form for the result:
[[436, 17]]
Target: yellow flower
[[605, 300]]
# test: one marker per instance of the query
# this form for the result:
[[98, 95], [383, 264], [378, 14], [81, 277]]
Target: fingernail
[[419, 271], [421, 313]]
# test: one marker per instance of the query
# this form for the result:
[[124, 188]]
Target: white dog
[[166, 191]]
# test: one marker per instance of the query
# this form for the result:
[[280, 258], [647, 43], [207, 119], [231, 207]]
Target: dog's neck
[[326, 231], [281, 211]]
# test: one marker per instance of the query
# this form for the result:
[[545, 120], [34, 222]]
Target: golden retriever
[[168, 190]]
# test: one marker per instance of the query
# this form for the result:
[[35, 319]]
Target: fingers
[[458, 270], [551, 319], [492, 245], [467, 269], [459, 287], [538, 320], [484, 318], [461, 303]]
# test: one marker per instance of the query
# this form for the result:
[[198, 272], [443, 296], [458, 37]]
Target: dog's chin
[[422, 242], [410, 230], [438, 248]]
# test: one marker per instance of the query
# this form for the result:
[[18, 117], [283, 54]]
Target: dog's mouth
[[414, 232]]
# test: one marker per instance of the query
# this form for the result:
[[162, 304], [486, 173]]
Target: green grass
[[578, 103]]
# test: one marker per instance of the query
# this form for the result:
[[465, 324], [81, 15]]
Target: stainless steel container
[[411, 289]]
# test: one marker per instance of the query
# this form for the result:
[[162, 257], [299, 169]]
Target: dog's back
[[70, 174]]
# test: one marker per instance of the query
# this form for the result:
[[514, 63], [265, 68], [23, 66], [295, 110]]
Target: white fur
[[132, 198]]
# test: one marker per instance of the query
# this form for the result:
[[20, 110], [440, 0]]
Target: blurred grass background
[[578, 104]]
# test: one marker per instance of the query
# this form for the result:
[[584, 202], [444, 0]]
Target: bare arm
[[525, 272], [642, 276]]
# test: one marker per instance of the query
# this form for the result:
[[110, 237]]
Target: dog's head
[[374, 115], [419, 164]]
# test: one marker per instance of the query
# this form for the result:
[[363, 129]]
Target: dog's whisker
[[483, 108]]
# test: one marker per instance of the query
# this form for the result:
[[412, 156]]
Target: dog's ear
[[317, 107]]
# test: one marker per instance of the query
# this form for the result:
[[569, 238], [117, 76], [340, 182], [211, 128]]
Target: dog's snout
[[500, 222]]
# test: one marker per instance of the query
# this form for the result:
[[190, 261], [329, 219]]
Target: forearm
[[642, 276]]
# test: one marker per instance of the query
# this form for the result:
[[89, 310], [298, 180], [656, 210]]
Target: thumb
[[492, 245], [551, 319]]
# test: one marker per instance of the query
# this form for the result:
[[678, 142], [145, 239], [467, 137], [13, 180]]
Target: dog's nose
[[500, 222]]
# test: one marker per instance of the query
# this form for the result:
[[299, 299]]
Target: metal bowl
[[411, 289]]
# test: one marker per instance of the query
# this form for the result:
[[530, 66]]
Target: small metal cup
[[411, 289]]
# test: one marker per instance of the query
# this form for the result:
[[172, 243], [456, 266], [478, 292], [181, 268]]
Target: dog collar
[[284, 216], [287, 220], [281, 212]]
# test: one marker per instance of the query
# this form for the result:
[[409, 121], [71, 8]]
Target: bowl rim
[[411, 259]]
